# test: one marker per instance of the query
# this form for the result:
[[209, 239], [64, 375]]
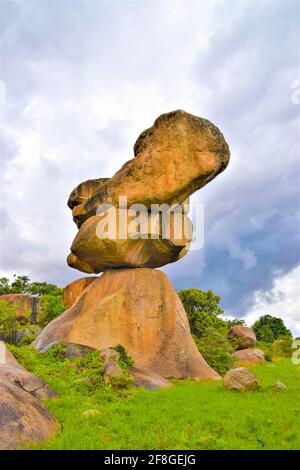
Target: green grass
[[190, 415]]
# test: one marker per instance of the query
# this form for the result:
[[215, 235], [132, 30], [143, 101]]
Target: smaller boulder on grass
[[243, 336], [240, 379], [249, 356], [279, 385]]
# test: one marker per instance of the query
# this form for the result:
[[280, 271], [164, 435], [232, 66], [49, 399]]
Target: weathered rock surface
[[250, 356], [241, 379], [12, 372], [179, 154], [28, 308], [148, 379], [112, 372], [99, 254], [110, 355], [23, 305], [23, 419], [72, 291], [139, 309], [244, 336], [71, 350]]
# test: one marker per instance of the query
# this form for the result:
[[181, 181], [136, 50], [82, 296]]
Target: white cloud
[[282, 301]]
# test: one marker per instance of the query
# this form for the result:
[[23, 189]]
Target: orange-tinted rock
[[73, 290], [179, 154], [243, 335], [250, 356], [139, 309], [241, 379], [97, 254], [22, 304]]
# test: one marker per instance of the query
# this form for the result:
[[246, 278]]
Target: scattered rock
[[112, 371], [244, 336], [23, 419], [73, 290], [240, 379], [91, 413], [280, 385], [110, 355], [71, 350], [77, 350], [148, 379], [139, 309], [250, 356]]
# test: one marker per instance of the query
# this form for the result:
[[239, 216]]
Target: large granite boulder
[[243, 336], [124, 250], [72, 291], [249, 356], [179, 154], [28, 308], [139, 309]]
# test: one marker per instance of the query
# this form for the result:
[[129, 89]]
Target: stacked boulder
[[244, 339], [132, 303]]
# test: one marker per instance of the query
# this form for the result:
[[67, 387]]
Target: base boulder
[[139, 309]]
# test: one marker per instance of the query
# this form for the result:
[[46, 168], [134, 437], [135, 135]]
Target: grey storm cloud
[[83, 79]]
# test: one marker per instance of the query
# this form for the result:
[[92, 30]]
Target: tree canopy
[[268, 328], [23, 285]]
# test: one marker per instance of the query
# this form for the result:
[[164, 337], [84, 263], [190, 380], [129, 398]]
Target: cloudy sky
[[82, 79]]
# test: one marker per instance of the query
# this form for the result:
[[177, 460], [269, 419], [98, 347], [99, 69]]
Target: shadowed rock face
[[179, 154], [139, 309], [96, 254]]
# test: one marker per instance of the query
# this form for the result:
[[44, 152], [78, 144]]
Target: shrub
[[216, 350], [125, 360], [8, 322], [282, 348]]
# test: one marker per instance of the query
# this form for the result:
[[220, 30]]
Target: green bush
[[125, 360], [8, 322], [52, 307], [266, 348], [282, 348], [216, 350]]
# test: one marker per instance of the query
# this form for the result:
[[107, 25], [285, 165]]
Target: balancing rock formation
[[139, 308]]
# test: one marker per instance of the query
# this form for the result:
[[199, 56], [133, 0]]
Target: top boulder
[[179, 154]]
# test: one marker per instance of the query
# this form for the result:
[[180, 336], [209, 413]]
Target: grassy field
[[190, 415]]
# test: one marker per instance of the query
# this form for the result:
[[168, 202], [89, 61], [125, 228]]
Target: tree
[[268, 328], [8, 322], [235, 322], [202, 309], [23, 285]]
